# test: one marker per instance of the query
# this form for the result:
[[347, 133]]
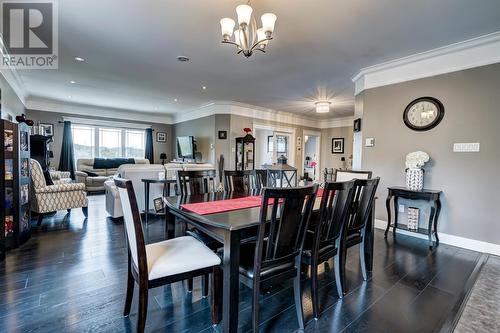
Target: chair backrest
[[335, 207], [261, 177], [328, 175], [345, 175], [365, 190], [290, 213], [133, 224], [196, 182], [239, 181], [37, 178]]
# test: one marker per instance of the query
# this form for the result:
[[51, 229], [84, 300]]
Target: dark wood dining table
[[228, 228]]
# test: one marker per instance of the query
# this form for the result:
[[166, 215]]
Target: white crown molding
[[12, 76], [89, 110], [476, 52], [465, 243], [252, 111]]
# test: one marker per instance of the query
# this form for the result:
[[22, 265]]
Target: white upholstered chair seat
[[178, 255]]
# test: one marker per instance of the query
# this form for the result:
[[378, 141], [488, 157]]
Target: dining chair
[[328, 175], [261, 177], [240, 181], [345, 175], [276, 255], [326, 238], [157, 264], [364, 197], [197, 182]]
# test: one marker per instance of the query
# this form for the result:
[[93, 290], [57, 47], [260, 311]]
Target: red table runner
[[222, 206]]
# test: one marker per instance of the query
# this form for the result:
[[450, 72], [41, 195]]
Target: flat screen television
[[185, 147]]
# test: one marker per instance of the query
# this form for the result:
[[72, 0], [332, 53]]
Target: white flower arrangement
[[417, 159]]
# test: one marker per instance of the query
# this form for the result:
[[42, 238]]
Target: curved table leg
[[396, 207], [429, 231], [388, 206], [438, 210]]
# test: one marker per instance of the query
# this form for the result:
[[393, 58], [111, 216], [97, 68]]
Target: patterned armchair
[[48, 198]]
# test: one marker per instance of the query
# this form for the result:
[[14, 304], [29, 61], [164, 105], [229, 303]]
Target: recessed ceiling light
[[69, 96], [79, 59], [204, 88], [72, 82], [175, 99], [182, 58]]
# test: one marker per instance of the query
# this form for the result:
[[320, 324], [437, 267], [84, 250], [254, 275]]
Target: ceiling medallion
[[247, 37]]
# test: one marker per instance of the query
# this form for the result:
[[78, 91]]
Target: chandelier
[[247, 37]]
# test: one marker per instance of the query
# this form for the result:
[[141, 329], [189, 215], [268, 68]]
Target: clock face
[[423, 113]]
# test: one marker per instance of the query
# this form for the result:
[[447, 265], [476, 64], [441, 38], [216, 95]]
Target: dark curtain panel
[[149, 146], [67, 160]]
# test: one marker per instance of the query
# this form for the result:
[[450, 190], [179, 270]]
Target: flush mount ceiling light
[[247, 37], [79, 59], [322, 106], [182, 58]]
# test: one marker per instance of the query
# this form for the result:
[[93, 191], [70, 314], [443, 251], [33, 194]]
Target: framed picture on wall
[[161, 137], [222, 135], [337, 145], [48, 129], [270, 142]]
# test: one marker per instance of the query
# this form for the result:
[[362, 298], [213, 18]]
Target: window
[[110, 142], [107, 142], [83, 141], [134, 143]]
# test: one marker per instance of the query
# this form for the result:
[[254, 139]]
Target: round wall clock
[[423, 113]]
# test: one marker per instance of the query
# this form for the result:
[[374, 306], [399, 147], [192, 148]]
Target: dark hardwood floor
[[71, 277]]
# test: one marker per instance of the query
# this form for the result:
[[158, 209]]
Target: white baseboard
[[466, 243]]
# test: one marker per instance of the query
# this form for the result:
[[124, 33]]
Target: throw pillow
[[90, 173], [48, 179]]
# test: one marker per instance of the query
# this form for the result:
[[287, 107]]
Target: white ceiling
[[130, 47]]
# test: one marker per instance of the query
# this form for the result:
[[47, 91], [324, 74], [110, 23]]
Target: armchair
[[48, 198]]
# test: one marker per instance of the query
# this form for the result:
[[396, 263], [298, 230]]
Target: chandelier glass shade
[[247, 37]]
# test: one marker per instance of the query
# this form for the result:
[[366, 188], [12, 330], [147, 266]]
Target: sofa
[[94, 172], [138, 172]]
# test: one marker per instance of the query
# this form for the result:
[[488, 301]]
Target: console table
[[432, 196]]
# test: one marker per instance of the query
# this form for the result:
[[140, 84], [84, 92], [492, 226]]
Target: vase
[[415, 179]]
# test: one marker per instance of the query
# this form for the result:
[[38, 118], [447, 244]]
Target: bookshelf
[[15, 227]]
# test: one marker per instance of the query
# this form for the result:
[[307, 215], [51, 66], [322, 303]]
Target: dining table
[[230, 222]]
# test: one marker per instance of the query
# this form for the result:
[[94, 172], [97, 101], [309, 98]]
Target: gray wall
[[10, 103], [469, 181], [203, 129], [329, 160], [55, 117]]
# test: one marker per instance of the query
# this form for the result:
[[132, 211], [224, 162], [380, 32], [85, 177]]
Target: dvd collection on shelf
[[15, 218]]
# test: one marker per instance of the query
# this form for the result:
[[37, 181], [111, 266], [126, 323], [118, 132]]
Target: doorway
[[271, 143], [310, 155]]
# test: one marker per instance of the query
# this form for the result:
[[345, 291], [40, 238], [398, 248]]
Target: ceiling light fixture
[[72, 82], [69, 96], [79, 59], [175, 99], [182, 58], [204, 88], [247, 37], [322, 106]]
